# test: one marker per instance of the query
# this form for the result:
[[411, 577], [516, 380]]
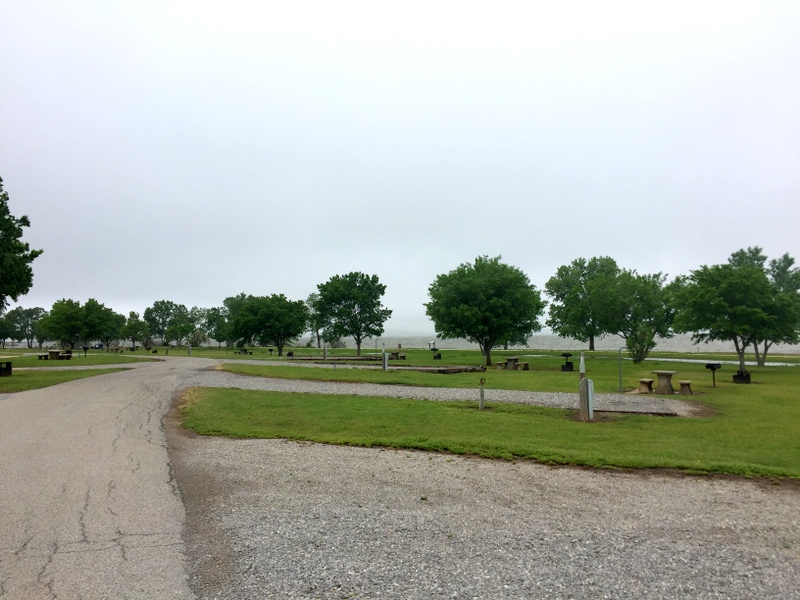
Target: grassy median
[[749, 430]]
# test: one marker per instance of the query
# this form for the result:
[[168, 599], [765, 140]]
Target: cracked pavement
[[89, 507]]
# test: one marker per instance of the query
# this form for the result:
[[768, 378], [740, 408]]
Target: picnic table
[[664, 385], [53, 354]]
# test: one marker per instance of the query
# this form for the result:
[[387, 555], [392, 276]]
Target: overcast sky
[[190, 151]]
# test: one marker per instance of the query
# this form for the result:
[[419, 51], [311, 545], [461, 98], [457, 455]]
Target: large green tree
[[16, 256], [135, 330], [101, 323], [639, 309], [165, 314], [218, 323], [727, 303], [350, 306], [64, 322], [271, 320], [582, 299], [487, 302], [783, 302], [23, 321]]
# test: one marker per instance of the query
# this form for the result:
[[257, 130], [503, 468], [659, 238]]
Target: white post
[[582, 368]]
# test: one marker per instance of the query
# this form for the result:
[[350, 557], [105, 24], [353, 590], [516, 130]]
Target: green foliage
[[725, 302], [64, 323], [642, 308], [218, 324], [488, 302], [23, 322], [165, 314], [350, 305], [100, 323], [582, 296], [269, 320], [6, 331], [16, 256], [135, 329]]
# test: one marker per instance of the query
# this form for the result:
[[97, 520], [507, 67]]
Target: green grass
[[30, 359], [545, 373], [754, 429], [21, 381]]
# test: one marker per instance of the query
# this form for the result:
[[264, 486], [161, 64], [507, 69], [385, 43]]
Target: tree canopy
[[350, 305], [270, 320], [16, 256], [725, 302], [487, 302], [23, 322], [582, 299], [168, 321], [639, 309]]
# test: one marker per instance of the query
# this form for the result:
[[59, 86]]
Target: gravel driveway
[[281, 519]]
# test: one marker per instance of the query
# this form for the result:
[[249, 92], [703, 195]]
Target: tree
[[6, 331], [198, 317], [640, 309], [164, 315], [784, 302], [180, 326], [350, 305], [727, 303], [271, 320], [316, 321], [23, 322], [135, 330], [219, 325], [580, 295], [64, 323], [100, 323], [487, 302], [16, 256]]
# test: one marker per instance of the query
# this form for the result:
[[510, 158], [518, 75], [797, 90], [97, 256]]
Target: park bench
[[43, 356], [645, 386], [686, 387], [243, 351]]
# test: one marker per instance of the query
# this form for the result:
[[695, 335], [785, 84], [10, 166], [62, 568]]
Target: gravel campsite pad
[[274, 518]]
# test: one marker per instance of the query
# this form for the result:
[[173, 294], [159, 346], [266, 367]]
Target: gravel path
[[282, 519], [279, 519], [603, 402]]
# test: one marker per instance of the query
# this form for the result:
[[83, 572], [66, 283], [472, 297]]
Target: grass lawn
[[544, 375], [21, 381], [30, 359], [754, 429]]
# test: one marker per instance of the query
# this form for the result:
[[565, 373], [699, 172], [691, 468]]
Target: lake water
[[545, 341]]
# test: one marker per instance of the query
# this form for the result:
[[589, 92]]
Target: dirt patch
[[208, 545]]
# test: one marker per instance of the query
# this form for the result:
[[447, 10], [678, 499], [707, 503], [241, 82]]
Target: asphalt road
[[89, 507]]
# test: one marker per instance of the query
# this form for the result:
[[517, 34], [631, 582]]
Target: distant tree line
[[749, 301]]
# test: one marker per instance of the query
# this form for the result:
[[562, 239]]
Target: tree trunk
[[740, 350], [763, 360], [757, 350], [591, 342], [358, 347]]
